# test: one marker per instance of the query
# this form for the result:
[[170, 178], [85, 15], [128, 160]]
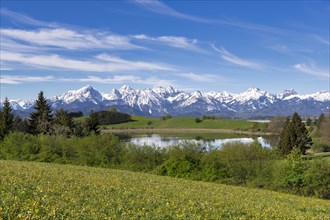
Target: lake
[[208, 140]]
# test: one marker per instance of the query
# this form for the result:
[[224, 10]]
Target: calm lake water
[[208, 140]]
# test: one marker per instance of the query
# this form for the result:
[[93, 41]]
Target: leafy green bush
[[302, 177], [183, 161], [142, 158], [19, 146]]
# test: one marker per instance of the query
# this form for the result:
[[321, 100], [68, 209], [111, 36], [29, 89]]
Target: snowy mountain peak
[[86, 93], [85, 88], [253, 89], [286, 93], [165, 92], [125, 88], [251, 94], [320, 96]]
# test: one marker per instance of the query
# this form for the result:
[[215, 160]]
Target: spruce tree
[[285, 144], [20, 125], [62, 124], [7, 117], [40, 120], [320, 120], [300, 136], [294, 135], [62, 118]]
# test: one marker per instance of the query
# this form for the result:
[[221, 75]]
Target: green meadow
[[31, 190]]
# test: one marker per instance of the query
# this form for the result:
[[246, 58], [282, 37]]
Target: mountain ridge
[[157, 101]]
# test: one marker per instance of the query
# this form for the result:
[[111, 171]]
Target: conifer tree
[[6, 118], [320, 120], [63, 123], [285, 144], [294, 135], [62, 118], [300, 136], [20, 125], [40, 120]]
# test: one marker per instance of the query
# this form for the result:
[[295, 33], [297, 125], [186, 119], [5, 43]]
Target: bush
[[183, 161], [302, 177], [198, 120], [19, 146], [245, 162], [165, 117], [142, 158], [317, 177]]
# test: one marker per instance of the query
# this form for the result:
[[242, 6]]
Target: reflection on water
[[158, 140]]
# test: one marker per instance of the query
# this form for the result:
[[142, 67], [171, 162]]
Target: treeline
[[43, 121], [238, 164], [110, 117]]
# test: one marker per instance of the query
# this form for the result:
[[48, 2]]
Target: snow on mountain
[[86, 93], [158, 101], [286, 93], [252, 94], [319, 96], [21, 104]]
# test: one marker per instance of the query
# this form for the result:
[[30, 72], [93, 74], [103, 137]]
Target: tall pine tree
[[62, 124], [285, 144], [40, 120], [295, 135], [6, 118]]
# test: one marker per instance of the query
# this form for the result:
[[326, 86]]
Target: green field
[[30, 190], [189, 122]]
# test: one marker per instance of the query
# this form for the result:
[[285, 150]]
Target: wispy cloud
[[116, 79], [9, 79], [236, 60], [122, 79], [172, 41], [102, 63], [66, 39], [322, 40], [161, 8], [199, 77], [312, 70], [25, 19]]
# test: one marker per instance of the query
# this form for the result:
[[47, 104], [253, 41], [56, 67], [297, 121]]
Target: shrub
[[198, 120], [19, 146]]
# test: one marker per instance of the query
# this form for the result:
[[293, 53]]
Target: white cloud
[[9, 79], [312, 70], [25, 19], [161, 8], [66, 39], [116, 79], [236, 60], [322, 40], [172, 41], [199, 77], [103, 63], [124, 79]]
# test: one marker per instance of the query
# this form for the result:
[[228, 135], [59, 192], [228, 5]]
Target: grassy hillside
[[189, 122], [31, 190]]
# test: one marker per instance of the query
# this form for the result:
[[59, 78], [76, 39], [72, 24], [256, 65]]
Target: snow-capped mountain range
[[158, 101]]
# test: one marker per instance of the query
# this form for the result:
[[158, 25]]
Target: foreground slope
[[31, 190]]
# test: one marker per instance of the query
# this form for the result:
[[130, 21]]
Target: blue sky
[[56, 46]]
